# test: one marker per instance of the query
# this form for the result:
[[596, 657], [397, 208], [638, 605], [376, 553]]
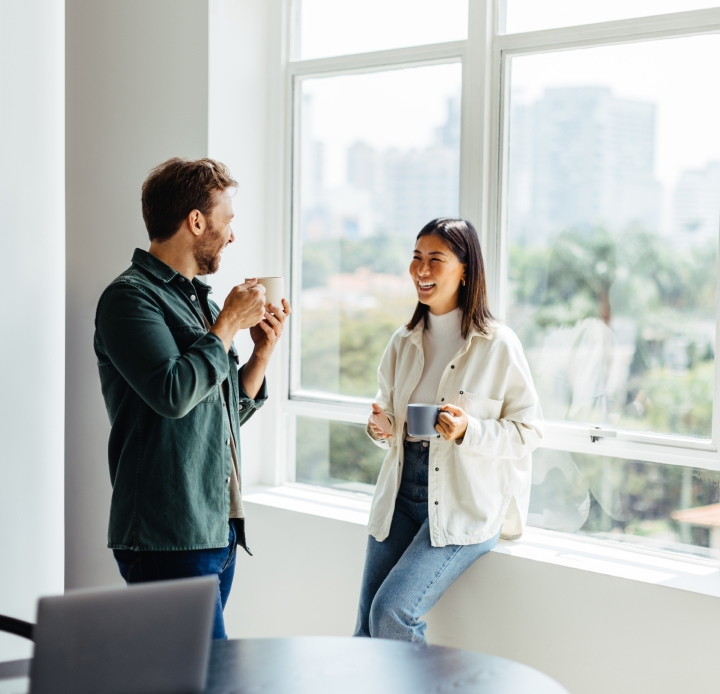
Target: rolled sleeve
[[247, 406]]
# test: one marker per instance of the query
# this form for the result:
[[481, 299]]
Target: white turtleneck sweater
[[441, 341]]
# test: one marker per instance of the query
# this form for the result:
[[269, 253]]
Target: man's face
[[218, 234]]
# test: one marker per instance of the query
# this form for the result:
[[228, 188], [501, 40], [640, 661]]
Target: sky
[[402, 108]]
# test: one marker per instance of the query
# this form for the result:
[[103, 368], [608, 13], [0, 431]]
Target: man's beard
[[207, 252]]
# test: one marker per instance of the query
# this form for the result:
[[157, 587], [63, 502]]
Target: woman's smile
[[437, 273]]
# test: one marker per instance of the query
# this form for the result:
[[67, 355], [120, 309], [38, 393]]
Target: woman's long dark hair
[[460, 237]]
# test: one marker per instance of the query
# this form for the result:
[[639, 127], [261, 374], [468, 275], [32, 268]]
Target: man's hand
[[266, 333], [244, 307], [452, 422], [379, 423]]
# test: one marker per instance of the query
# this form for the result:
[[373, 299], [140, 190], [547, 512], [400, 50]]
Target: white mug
[[274, 290]]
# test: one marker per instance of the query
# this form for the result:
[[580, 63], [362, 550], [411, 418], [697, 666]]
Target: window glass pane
[[532, 15], [329, 27], [379, 158], [336, 454], [612, 227], [664, 507]]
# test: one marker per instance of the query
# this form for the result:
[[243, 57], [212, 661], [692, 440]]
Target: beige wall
[[31, 310]]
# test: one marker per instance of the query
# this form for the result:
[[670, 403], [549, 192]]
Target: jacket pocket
[[479, 406], [214, 395]]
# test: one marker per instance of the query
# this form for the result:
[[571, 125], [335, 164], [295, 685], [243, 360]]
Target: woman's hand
[[379, 423], [452, 422]]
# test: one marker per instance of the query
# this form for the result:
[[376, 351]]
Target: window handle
[[597, 433]]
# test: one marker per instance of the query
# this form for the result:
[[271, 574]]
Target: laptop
[[149, 638]]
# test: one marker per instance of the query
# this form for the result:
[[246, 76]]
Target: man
[[172, 388]]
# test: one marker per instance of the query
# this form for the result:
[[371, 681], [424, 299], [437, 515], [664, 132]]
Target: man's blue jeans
[[405, 575], [142, 567]]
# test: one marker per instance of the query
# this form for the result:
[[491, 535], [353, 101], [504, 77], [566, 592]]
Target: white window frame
[[485, 56]]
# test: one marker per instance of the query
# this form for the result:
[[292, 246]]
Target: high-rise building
[[580, 157], [697, 204], [422, 184]]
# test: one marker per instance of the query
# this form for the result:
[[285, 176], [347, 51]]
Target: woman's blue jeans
[[142, 567], [405, 575]]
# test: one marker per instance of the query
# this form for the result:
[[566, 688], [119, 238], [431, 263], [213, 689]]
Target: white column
[[32, 341]]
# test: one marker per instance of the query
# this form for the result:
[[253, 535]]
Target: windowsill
[[585, 554]]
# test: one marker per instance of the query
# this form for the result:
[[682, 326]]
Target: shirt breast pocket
[[479, 406], [214, 395]]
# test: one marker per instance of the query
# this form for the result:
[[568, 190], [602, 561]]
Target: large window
[[582, 143]]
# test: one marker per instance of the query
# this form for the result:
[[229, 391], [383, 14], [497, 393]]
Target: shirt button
[[182, 279], [227, 480], [442, 399], [192, 297], [425, 444], [453, 366], [227, 442], [240, 407], [436, 503], [437, 469]]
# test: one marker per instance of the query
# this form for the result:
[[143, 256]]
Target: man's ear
[[196, 222]]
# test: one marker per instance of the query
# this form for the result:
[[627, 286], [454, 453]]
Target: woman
[[440, 502]]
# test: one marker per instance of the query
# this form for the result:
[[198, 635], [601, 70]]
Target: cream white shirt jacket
[[482, 484]]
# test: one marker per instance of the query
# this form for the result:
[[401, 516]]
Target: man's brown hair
[[176, 188]]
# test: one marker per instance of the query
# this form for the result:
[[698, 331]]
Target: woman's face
[[436, 272]]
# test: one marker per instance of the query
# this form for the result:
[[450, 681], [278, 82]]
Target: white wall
[[137, 90], [593, 633], [31, 312], [245, 83]]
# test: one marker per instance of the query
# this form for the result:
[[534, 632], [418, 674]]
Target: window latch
[[597, 433]]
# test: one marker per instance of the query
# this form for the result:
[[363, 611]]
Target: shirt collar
[[156, 267], [415, 334], [153, 265]]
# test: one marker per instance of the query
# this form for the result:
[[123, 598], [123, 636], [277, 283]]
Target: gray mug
[[421, 419]]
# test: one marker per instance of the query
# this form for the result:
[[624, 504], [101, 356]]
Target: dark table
[[339, 665]]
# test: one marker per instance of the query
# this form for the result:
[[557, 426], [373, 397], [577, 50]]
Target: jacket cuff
[[473, 434], [382, 443], [248, 403]]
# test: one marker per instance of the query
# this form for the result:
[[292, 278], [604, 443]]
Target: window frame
[[485, 57]]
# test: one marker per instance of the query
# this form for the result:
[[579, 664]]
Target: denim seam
[[233, 547], [138, 285], [435, 580]]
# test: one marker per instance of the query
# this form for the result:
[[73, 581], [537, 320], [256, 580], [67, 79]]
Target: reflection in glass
[[374, 25], [532, 15], [336, 454], [379, 158], [613, 213], [656, 506], [612, 236]]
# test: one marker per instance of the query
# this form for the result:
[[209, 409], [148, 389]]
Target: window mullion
[[618, 31], [396, 58], [477, 114], [716, 390]]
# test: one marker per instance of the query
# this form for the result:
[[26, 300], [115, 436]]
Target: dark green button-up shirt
[[161, 372]]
